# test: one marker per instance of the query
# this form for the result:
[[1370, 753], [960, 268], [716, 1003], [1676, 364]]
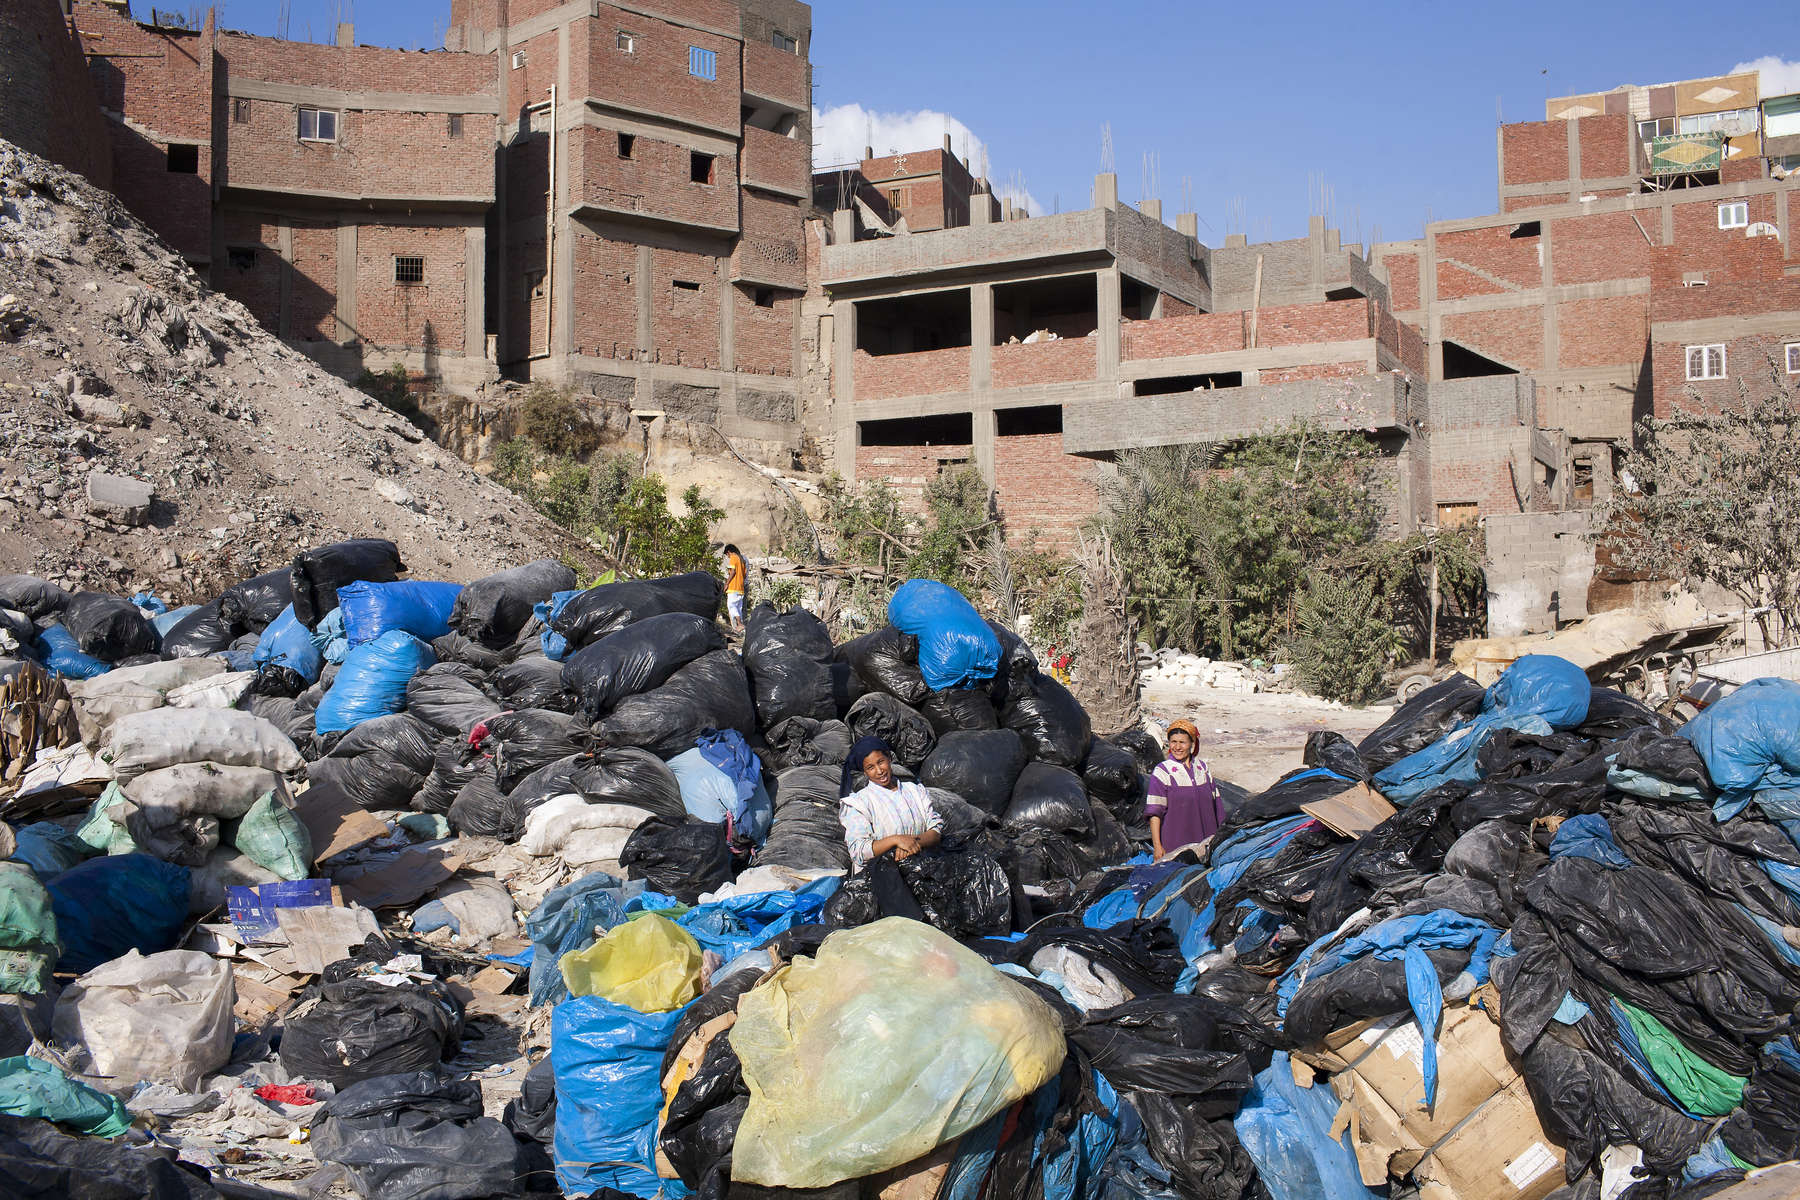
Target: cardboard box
[[1479, 1140]]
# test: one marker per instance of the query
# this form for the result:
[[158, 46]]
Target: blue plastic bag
[[1286, 1129], [708, 793], [556, 646], [1750, 741], [372, 681], [119, 902], [414, 606], [149, 604], [1538, 693], [63, 654], [608, 1064], [565, 922], [738, 924], [48, 849], [166, 621], [956, 647], [285, 642]]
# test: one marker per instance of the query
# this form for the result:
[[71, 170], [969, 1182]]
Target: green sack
[[100, 833], [30, 1087], [27, 972], [272, 836], [1696, 1084], [26, 919]]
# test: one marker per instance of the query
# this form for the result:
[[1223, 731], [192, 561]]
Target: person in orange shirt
[[735, 574]]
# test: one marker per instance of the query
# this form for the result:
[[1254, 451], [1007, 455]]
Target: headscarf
[[864, 747], [1183, 725]]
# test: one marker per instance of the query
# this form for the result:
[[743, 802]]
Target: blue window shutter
[[702, 63]]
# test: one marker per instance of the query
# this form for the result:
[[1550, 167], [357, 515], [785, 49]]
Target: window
[[1793, 358], [318, 125], [453, 124], [684, 285], [534, 285], [1734, 215], [409, 268], [899, 197], [702, 63], [240, 112], [1734, 122], [1660, 127], [1706, 362], [1527, 229], [627, 42], [783, 42], [184, 160], [518, 59], [700, 167], [242, 258], [627, 144], [765, 298]]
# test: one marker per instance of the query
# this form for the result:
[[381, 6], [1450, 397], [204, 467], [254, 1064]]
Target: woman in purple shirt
[[1183, 804]]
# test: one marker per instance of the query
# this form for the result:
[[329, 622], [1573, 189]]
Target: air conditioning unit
[[518, 59]]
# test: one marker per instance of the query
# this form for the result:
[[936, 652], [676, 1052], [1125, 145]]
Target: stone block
[[119, 498]]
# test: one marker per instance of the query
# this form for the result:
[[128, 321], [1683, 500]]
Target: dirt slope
[[116, 358]]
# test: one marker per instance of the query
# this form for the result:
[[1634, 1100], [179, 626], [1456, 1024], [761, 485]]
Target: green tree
[[554, 421], [653, 541], [949, 544], [1343, 642]]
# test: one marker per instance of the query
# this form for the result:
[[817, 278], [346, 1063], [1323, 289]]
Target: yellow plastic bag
[[651, 964], [892, 1041]]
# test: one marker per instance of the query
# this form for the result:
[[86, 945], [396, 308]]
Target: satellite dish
[[1762, 229]]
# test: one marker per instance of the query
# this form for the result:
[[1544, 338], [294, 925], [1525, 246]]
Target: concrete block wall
[[47, 100], [1538, 569]]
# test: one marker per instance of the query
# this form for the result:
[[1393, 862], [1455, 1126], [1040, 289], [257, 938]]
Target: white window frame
[[627, 42], [318, 123], [1734, 214], [1792, 350], [703, 63], [1704, 356]]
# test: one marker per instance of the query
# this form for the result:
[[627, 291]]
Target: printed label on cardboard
[[1522, 1171]]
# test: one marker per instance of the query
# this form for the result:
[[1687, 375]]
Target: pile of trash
[[1170, 668], [1521, 941]]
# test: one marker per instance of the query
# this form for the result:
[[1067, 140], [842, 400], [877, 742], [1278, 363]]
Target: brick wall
[[1401, 340], [1514, 336], [1601, 246], [1535, 152], [655, 75], [654, 180], [256, 283], [777, 160], [763, 336], [1065, 360], [684, 322], [312, 287], [1174, 306], [778, 74], [1403, 280], [770, 248], [47, 101], [1607, 147], [427, 316], [922, 373], [357, 68], [908, 469], [376, 154], [606, 316], [1491, 251], [1303, 324], [530, 82], [1042, 488], [1337, 370], [1474, 466], [1201, 333], [1601, 332]]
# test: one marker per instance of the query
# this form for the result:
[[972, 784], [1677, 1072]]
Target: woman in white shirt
[[885, 814]]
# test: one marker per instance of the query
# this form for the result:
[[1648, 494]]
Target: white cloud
[[841, 132], [1779, 77]]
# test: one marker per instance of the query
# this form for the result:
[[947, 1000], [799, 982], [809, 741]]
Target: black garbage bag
[[1284, 798], [1523, 787], [1334, 752], [960, 709], [286, 715], [417, 1136], [593, 614], [962, 820], [1367, 987], [806, 835], [39, 1161], [1017, 664], [200, 633], [1764, 1130], [700, 1126], [965, 893], [1052, 722], [110, 628], [1045, 859], [36, 598], [250, 606], [981, 766], [1612, 714], [1671, 759], [1406, 847], [349, 1028], [804, 742], [1499, 854], [449, 698], [633, 660], [1143, 955], [1108, 844], [1047, 797], [789, 658], [452, 768], [1587, 1105], [381, 763], [624, 776], [683, 861], [887, 661], [495, 607], [1165, 1043], [533, 1115], [1421, 721], [711, 692], [480, 808], [1142, 746], [1111, 775], [454, 647], [881, 715], [533, 681], [520, 742], [1729, 861], [846, 687], [318, 574]]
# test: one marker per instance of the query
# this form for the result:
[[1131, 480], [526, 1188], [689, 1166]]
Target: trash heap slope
[[116, 359]]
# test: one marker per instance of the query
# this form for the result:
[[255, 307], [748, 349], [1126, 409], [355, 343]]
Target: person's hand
[[1157, 854], [905, 848]]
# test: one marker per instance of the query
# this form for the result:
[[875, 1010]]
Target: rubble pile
[[517, 887], [156, 435]]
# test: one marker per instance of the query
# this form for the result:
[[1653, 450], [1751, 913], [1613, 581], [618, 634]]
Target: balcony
[[1362, 403], [777, 162]]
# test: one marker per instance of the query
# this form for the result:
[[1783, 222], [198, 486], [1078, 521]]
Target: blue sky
[[1384, 112]]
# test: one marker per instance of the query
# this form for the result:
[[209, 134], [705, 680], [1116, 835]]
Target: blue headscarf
[[864, 747]]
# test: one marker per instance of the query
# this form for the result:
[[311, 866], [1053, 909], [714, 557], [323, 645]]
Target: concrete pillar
[[843, 385], [345, 308], [1188, 223], [981, 336], [1107, 366], [1547, 282], [727, 317], [843, 227], [1315, 240], [645, 298], [474, 291], [1574, 159], [1106, 190], [284, 245], [1236, 241], [981, 208], [982, 424], [562, 329], [1153, 209], [346, 34]]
